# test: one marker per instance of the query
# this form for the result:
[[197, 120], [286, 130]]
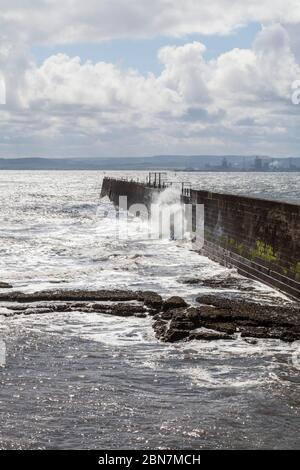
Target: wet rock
[[173, 319], [79, 305], [156, 317], [35, 311], [275, 333], [173, 335], [181, 325], [228, 282], [61, 308], [140, 315], [193, 315], [173, 325], [49, 306], [5, 285], [251, 341], [226, 316], [98, 307], [125, 310], [228, 328], [208, 336], [252, 319], [17, 308], [121, 310], [160, 328], [258, 313], [152, 300], [27, 311], [176, 314], [73, 296], [164, 315], [174, 302], [192, 281]]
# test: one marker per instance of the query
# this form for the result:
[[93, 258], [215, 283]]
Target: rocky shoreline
[[224, 318], [213, 317]]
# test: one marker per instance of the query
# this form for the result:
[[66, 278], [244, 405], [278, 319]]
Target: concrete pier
[[261, 238]]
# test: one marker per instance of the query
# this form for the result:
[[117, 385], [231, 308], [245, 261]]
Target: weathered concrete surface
[[261, 238], [136, 193]]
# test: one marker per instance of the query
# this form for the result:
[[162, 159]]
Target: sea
[[91, 381]]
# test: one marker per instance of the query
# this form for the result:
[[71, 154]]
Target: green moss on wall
[[264, 251], [296, 271], [232, 244], [241, 249]]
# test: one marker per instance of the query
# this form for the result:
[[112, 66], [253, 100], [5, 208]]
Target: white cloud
[[57, 21], [262, 73], [238, 102]]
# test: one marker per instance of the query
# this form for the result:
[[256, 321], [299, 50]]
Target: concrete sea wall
[[261, 238], [137, 193]]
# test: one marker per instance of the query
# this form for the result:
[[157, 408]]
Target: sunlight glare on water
[[73, 380]]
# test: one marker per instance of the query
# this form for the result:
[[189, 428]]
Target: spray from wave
[[172, 219], [168, 218]]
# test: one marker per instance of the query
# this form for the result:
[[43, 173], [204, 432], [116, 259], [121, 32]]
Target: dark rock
[[181, 325], [152, 311], [28, 311], [124, 310], [176, 314], [61, 307], [140, 315], [5, 285], [96, 307], [166, 315], [17, 308], [75, 296], [35, 311], [228, 282], [193, 315], [156, 317], [208, 336], [160, 327], [226, 309], [79, 305], [279, 319], [152, 300], [173, 325], [173, 319], [275, 333], [120, 309], [228, 328], [290, 336], [174, 302], [251, 341], [192, 281], [173, 335]]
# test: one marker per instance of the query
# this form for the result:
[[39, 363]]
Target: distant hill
[[160, 162]]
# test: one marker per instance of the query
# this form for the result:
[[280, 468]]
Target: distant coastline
[[178, 163]]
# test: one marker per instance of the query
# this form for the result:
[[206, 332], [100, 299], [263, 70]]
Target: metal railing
[[158, 180]]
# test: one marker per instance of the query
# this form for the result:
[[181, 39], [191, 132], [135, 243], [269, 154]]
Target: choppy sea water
[[73, 380]]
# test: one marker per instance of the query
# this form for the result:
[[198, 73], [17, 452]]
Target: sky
[[116, 78]]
